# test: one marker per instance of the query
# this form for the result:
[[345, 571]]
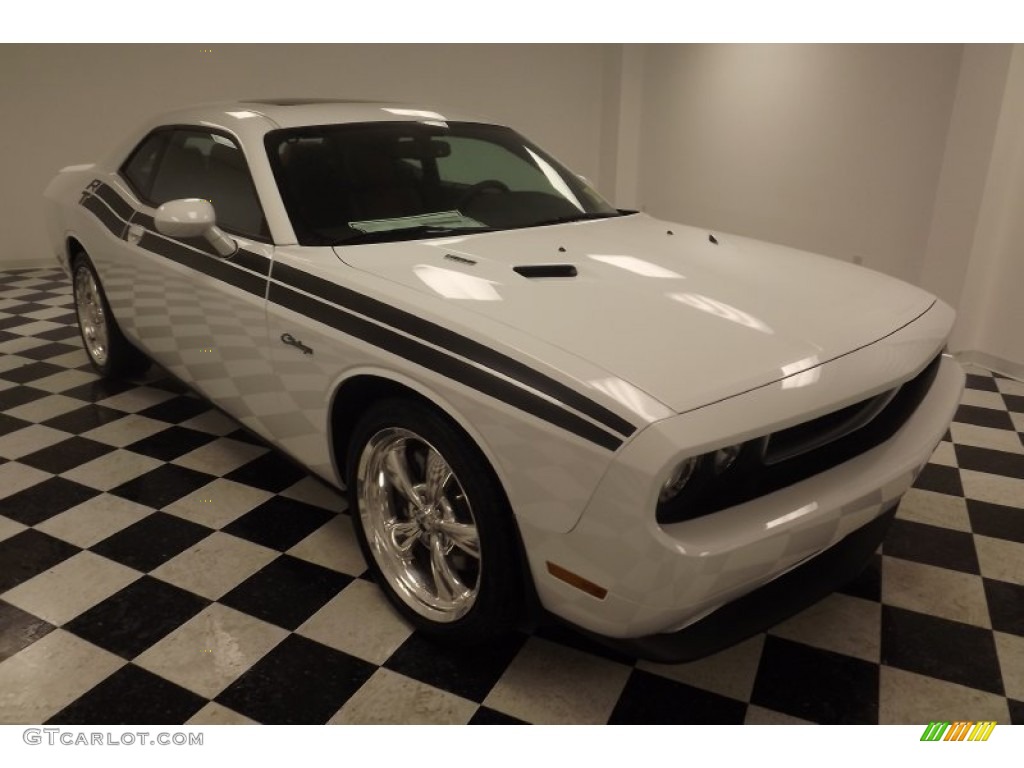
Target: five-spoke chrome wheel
[[91, 316], [419, 524]]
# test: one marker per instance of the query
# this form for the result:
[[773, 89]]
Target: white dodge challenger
[[668, 438]]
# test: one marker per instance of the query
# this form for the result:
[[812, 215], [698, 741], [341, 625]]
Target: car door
[[200, 315]]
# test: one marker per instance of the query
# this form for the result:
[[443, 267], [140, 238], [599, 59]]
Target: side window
[[202, 164], [472, 161], [142, 162]]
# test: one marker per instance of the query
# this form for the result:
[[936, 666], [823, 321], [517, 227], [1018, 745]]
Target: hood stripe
[[439, 362], [451, 341], [248, 271]]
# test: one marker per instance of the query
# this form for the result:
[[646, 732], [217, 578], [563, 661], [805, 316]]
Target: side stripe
[[451, 341], [248, 272], [181, 254], [441, 363], [118, 204], [106, 216]]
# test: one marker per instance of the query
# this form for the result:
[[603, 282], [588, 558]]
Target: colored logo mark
[[960, 730]]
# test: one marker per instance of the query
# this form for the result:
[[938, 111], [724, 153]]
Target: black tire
[[473, 493], [118, 357]]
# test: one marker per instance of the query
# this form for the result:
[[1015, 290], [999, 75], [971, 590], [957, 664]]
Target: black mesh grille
[[794, 454]]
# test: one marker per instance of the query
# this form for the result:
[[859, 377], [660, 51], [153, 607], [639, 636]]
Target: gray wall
[[832, 148], [67, 104]]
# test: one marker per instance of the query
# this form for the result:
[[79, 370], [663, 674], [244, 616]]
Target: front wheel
[[433, 523], [110, 353]]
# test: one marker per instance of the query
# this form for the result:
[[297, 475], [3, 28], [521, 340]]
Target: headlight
[[678, 479]]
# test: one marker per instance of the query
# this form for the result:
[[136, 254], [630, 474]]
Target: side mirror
[[193, 217]]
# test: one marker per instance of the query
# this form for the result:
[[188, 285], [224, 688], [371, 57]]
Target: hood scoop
[[546, 270]]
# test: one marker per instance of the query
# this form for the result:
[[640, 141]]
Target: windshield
[[379, 182]]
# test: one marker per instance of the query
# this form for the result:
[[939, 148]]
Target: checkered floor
[[158, 566]]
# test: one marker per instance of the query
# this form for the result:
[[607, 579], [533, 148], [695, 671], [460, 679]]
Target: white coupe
[[666, 437]]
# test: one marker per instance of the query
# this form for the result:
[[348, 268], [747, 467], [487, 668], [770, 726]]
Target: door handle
[[135, 233]]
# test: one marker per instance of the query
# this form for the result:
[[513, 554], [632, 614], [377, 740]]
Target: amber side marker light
[[575, 580]]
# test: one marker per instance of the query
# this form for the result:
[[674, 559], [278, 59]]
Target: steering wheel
[[481, 186]]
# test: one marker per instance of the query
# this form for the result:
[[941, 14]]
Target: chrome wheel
[[91, 317], [419, 524]]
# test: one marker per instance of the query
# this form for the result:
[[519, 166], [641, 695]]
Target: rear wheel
[[110, 353], [433, 523]]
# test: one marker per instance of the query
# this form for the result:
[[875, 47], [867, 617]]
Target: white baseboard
[[6, 264], [992, 363]]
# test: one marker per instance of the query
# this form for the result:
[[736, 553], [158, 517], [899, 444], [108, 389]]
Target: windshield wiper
[[408, 233], [574, 217]]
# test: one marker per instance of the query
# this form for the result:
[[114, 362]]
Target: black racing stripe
[[439, 362], [214, 267], [110, 196], [253, 261], [104, 214], [144, 220], [453, 342]]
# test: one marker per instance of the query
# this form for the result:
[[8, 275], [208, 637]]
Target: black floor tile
[[487, 716], [1016, 712], [286, 591], [1005, 606], [60, 334], [151, 541], [983, 417], [171, 443], [14, 321], [979, 381], [994, 462], [28, 554], [868, 583], [941, 479], [100, 389], [19, 395], [38, 295], [177, 409], [44, 500], [19, 629], [1014, 403], [66, 455], [130, 621], [10, 424], [298, 682], [279, 523], [132, 696], [269, 472], [23, 309], [996, 520], [654, 700], [931, 545], [46, 351], [85, 418], [466, 672], [816, 685], [162, 486], [947, 650], [26, 374]]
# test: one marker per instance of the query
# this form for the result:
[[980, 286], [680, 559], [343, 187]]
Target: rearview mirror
[[193, 217]]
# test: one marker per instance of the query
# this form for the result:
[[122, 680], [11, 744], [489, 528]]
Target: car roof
[[292, 112]]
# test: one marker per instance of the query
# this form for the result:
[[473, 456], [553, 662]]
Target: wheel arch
[[359, 388]]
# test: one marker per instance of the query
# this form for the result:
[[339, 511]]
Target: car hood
[[662, 306]]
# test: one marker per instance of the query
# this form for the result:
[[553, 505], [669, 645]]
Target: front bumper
[[766, 606], [661, 579]]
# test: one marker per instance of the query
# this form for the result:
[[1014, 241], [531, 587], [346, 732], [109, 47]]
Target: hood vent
[[546, 270]]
